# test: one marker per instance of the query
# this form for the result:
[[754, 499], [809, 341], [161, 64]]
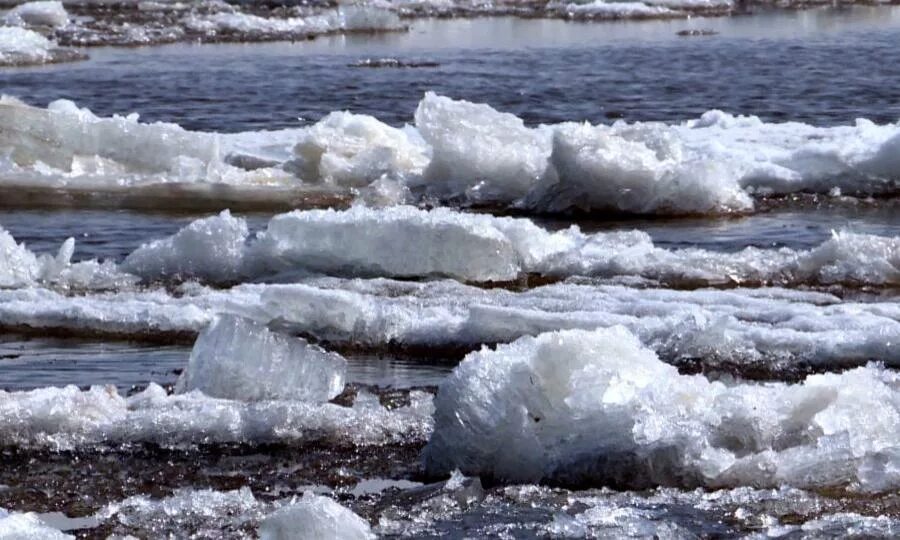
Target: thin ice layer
[[236, 358], [314, 517], [69, 418], [531, 411]]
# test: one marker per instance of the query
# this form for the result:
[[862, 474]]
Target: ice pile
[[586, 407], [236, 358], [28, 526], [407, 242], [314, 517], [466, 153], [43, 13]]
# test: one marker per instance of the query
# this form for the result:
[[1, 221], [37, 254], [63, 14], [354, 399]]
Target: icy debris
[[236, 358], [532, 410], [186, 507], [68, 418], [851, 525], [314, 517], [44, 13], [28, 526], [211, 248]]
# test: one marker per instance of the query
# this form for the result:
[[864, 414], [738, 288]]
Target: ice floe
[[237, 358], [66, 418], [532, 410], [466, 153], [407, 242]]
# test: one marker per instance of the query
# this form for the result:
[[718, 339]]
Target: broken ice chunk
[[314, 517], [236, 358]]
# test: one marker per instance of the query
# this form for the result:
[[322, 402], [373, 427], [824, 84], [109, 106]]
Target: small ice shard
[[210, 248], [236, 358], [312, 518]]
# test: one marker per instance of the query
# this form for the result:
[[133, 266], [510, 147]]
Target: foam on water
[[531, 410], [467, 153], [236, 358]]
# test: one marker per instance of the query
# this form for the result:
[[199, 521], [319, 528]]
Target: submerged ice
[[532, 410], [467, 153]]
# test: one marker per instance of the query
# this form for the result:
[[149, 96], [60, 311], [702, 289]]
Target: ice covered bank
[[599, 408], [463, 153], [406, 242]]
